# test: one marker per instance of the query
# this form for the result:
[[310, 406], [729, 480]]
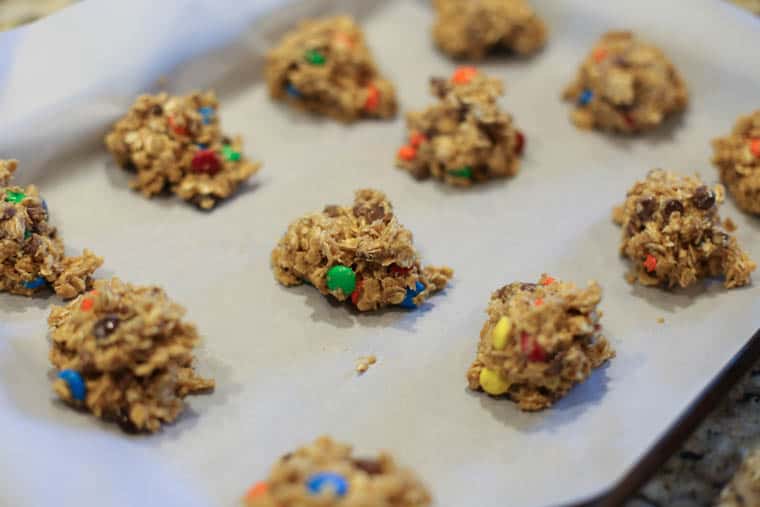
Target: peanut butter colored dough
[[325, 474], [673, 234], [365, 239], [133, 351], [465, 137], [737, 158], [174, 143], [324, 66], [31, 252], [474, 28], [625, 85], [539, 341]]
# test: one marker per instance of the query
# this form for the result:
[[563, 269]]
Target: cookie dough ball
[[124, 353], [625, 85], [175, 144], [326, 474], [539, 341], [31, 252], [737, 157], [673, 235], [324, 66], [465, 137], [359, 253], [474, 28]]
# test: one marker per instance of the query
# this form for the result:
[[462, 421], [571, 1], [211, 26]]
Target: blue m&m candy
[[585, 97], [408, 301], [35, 284], [207, 113], [327, 481], [75, 383], [293, 91]]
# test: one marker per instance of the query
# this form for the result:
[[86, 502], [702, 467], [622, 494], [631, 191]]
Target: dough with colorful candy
[[539, 341], [360, 254]]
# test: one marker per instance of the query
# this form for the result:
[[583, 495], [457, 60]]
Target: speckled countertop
[[696, 474]]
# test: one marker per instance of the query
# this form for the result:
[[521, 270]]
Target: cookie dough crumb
[[363, 363], [673, 235], [737, 157], [124, 353], [326, 474], [32, 254], [358, 253], [661, 320], [744, 489], [540, 340], [465, 137], [474, 28], [176, 144], [729, 225], [625, 85], [325, 67]]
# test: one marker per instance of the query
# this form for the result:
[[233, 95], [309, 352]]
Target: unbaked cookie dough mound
[[540, 340], [326, 474], [174, 143], [625, 85], [673, 234], [124, 353], [465, 137], [358, 253], [474, 28], [325, 67], [31, 252], [737, 158]]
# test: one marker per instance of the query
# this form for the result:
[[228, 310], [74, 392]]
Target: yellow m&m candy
[[500, 333], [492, 382]]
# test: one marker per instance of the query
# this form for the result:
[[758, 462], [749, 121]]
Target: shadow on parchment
[[581, 397], [19, 304], [345, 316]]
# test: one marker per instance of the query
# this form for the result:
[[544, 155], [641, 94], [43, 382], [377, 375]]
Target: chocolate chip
[[287, 456], [9, 213], [439, 86], [671, 207], [105, 326], [647, 206], [331, 210], [36, 213], [371, 466], [376, 212], [226, 140], [528, 286], [130, 166], [493, 132], [703, 198], [157, 110], [31, 246]]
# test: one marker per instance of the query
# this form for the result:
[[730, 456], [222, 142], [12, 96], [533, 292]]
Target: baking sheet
[[283, 358]]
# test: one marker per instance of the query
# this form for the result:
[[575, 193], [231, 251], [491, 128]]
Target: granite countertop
[[708, 461]]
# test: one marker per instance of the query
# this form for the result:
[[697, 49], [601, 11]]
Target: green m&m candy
[[315, 57], [464, 172], [15, 197], [230, 153], [341, 277]]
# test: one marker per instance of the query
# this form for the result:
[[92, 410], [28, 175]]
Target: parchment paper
[[284, 358]]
